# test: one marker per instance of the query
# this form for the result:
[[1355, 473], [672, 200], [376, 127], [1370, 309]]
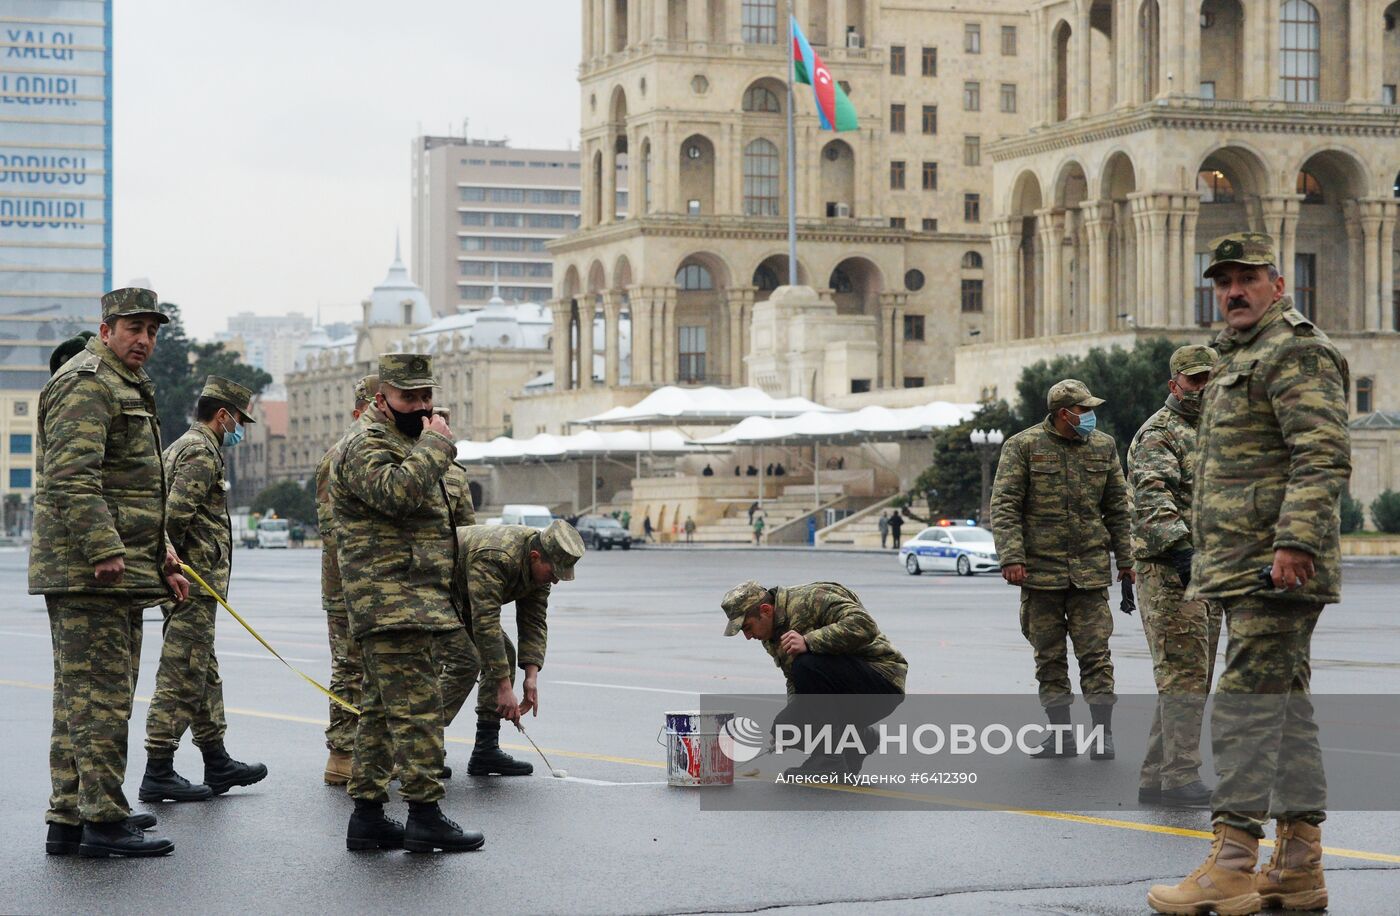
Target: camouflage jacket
[[196, 506], [493, 570], [1275, 456], [332, 596], [394, 529], [1058, 506], [1161, 468], [833, 621], [101, 483]]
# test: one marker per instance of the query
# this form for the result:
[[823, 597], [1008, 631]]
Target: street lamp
[[986, 442]]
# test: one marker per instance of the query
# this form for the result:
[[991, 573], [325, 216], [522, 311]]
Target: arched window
[[765, 278], [972, 261], [762, 99], [761, 179], [1300, 40], [840, 282], [694, 277], [1310, 188]]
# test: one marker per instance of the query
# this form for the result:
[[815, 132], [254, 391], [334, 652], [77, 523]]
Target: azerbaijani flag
[[835, 110]]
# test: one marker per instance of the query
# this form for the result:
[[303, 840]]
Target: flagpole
[[791, 152]]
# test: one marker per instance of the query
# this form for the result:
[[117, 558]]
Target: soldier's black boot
[[429, 830], [222, 772], [1058, 715], [63, 839], [162, 783], [487, 757], [120, 838], [1102, 715], [371, 829]]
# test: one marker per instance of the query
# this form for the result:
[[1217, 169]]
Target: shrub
[[1353, 515], [1385, 512]]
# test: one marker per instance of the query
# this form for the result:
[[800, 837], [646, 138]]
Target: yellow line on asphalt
[[886, 793]]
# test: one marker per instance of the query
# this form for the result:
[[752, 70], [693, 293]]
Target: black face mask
[[410, 423]]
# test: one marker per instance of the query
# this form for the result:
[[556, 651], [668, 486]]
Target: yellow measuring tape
[[266, 645]]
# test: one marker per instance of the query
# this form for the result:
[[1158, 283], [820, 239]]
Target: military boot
[[1293, 878], [162, 783], [371, 829], [222, 772], [487, 757], [1195, 794], [337, 768], [1058, 715], [64, 839], [429, 830], [1102, 715], [120, 838], [1224, 882]]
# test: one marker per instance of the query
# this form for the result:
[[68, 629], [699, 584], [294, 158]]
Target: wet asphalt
[[636, 635]]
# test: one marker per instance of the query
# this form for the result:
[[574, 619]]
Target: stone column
[[729, 172], [1098, 217], [835, 25], [609, 24], [1270, 19], [587, 52], [1050, 225], [1192, 204], [1003, 325], [1371, 215], [740, 300], [612, 325], [562, 347], [1188, 71], [1175, 268], [634, 24], [1355, 310], [697, 21], [665, 180], [897, 370], [587, 309], [1359, 87], [885, 370], [636, 174], [1140, 306], [642, 307], [1387, 288], [608, 210], [1081, 96], [667, 302], [660, 28]]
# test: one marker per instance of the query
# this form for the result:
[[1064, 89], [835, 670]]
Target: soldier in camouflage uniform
[[189, 692], [396, 543], [500, 565], [825, 642], [1181, 634], [1275, 456], [1059, 504], [99, 557], [346, 670]]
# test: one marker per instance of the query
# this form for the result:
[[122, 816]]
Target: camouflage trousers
[[1048, 616], [96, 658], [189, 692], [1267, 755], [463, 671], [1182, 636], [347, 671], [401, 723]]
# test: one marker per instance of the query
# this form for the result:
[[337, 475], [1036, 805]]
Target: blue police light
[[972, 523]]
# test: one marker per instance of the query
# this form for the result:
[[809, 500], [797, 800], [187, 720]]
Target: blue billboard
[[55, 176]]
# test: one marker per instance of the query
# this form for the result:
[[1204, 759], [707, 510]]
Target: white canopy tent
[[869, 424], [673, 406]]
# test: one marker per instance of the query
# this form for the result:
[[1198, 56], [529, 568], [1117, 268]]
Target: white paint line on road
[[684, 693], [271, 658], [605, 782]]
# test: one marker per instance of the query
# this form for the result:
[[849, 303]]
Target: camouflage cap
[[738, 602], [562, 546], [132, 300], [1070, 392], [1193, 360], [230, 392], [1252, 248], [366, 387], [68, 349], [407, 370]]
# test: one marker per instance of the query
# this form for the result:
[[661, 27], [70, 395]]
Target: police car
[[951, 546]]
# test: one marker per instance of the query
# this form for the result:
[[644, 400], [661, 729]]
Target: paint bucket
[[693, 754]]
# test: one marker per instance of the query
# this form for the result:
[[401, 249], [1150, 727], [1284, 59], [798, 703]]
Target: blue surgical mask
[[1085, 424], [235, 437]]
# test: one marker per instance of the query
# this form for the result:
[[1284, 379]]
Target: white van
[[274, 532], [520, 514]]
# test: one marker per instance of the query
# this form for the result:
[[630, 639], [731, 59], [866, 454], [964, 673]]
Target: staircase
[[735, 527], [863, 530]]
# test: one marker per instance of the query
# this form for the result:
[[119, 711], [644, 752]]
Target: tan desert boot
[[1293, 877], [337, 768], [1224, 883]]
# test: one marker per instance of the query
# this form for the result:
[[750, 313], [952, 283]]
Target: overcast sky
[[262, 148]]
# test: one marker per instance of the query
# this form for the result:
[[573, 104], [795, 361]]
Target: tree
[[1133, 384], [1385, 512], [291, 501], [179, 367], [1352, 515], [952, 485]]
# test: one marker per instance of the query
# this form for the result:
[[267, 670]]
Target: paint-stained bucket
[[693, 754]]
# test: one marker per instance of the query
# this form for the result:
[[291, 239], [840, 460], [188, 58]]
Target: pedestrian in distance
[[99, 558], [884, 525], [758, 525], [647, 529], [1275, 458], [1059, 508], [896, 525], [689, 530], [189, 693]]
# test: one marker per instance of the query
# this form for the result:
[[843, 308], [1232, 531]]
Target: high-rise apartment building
[[483, 211], [55, 197]]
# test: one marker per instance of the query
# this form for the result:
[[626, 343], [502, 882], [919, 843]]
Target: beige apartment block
[[893, 219], [1157, 126]]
